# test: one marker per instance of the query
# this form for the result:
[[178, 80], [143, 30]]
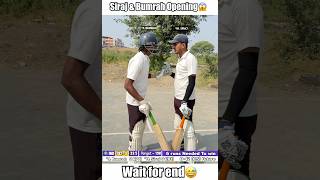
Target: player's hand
[[145, 107], [186, 112], [165, 70], [230, 147]]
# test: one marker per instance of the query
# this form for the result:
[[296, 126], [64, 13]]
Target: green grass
[[113, 55], [116, 55], [206, 81]]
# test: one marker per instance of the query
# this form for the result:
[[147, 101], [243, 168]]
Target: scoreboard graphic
[[136, 157]]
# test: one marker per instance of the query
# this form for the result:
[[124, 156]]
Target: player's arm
[[190, 87], [128, 86], [75, 83], [241, 90], [192, 70]]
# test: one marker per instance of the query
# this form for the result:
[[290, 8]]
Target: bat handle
[[224, 170], [182, 122], [153, 121]]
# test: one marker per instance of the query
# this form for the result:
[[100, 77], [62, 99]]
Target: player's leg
[[136, 129], [189, 142], [190, 134], [86, 148]]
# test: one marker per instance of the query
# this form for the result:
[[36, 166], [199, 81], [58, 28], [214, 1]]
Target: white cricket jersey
[[138, 70], [186, 66]]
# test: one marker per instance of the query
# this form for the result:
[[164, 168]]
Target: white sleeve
[[248, 24], [192, 65], [134, 68], [85, 38]]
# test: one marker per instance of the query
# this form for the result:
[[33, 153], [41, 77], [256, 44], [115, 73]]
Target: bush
[[202, 47], [302, 34], [211, 69]]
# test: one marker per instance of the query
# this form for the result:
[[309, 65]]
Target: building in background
[[119, 43], [108, 41]]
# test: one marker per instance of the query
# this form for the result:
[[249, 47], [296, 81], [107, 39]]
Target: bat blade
[[159, 134], [177, 139], [178, 136], [161, 138]]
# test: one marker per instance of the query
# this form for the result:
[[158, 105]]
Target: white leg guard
[[176, 121], [136, 136], [190, 140]]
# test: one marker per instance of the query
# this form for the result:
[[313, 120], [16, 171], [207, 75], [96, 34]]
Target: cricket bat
[[159, 134], [178, 136], [224, 170]]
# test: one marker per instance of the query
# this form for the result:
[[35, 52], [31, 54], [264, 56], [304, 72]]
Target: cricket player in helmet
[[149, 42], [136, 85]]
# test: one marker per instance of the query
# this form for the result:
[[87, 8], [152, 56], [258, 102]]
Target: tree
[[165, 27], [211, 61], [202, 47], [204, 51], [303, 28]]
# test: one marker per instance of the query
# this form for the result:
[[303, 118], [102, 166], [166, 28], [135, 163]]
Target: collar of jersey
[[184, 55]]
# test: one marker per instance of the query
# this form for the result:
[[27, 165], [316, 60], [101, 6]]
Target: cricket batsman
[[184, 88], [136, 85]]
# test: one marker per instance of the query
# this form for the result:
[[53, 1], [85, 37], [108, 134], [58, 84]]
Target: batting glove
[[186, 112], [145, 107], [230, 147]]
